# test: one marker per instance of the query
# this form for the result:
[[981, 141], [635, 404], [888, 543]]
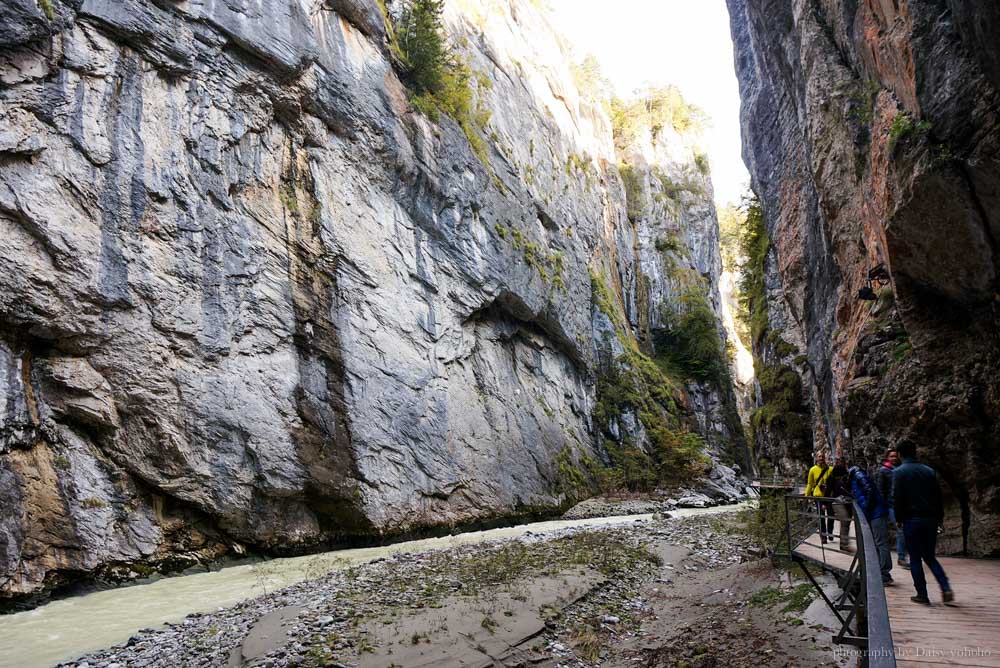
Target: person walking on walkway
[[838, 486], [883, 479], [919, 512], [815, 485], [869, 499]]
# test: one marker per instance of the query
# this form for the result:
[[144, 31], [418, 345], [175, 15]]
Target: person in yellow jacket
[[816, 481]]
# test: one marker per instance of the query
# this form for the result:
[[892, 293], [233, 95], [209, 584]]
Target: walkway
[[964, 634]]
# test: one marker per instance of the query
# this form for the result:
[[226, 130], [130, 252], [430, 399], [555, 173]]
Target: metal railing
[[861, 606], [776, 482]]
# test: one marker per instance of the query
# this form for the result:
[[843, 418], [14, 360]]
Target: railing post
[[788, 527]]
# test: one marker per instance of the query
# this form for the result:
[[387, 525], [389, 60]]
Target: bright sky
[[681, 42]]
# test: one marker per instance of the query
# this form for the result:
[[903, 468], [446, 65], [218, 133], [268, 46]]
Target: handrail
[[880, 650], [863, 594], [777, 481]]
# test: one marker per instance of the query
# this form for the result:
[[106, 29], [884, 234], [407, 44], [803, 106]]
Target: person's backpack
[[866, 491]]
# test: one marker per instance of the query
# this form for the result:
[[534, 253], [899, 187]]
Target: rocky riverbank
[[655, 591]]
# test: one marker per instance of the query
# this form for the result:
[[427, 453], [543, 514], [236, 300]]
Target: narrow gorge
[[281, 277]]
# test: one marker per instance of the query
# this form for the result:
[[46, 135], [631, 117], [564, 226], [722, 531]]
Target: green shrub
[[635, 384], [691, 343], [781, 392], [607, 303], [672, 190], [765, 525], [669, 243], [701, 162], [678, 452], [862, 102], [781, 347], [608, 480], [47, 7], [570, 480], [422, 45], [903, 127], [636, 469], [902, 350], [550, 266], [635, 193], [783, 409]]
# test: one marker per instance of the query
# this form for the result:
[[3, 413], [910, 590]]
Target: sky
[[682, 42]]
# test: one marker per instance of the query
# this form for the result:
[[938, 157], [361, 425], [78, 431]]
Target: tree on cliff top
[[440, 81], [591, 83], [655, 108], [423, 46]]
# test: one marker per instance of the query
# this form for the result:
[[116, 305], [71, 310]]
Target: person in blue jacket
[[868, 498]]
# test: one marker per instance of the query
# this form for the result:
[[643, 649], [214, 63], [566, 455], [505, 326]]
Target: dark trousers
[[880, 533], [900, 540], [825, 509], [921, 541]]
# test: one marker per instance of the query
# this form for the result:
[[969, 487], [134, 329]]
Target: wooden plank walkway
[[828, 554], [966, 633]]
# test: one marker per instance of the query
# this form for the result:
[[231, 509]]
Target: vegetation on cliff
[[753, 246], [731, 221], [690, 343], [633, 389], [782, 413], [655, 109], [439, 80]]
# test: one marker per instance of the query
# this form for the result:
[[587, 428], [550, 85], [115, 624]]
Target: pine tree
[[426, 55]]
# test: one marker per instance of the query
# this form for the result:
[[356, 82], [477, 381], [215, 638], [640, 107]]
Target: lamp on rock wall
[[877, 277]]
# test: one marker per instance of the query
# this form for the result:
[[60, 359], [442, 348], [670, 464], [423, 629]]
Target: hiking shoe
[[922, 600], [948, 596], [903, 562]]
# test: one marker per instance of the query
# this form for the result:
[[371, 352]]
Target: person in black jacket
[[919, 512], [839, 486]]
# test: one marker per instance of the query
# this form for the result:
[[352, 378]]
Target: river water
[[67, 628]]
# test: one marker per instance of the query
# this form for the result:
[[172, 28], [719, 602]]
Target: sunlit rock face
[[872, 132], [249, 298]]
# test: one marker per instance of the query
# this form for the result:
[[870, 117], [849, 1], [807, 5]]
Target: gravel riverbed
[[577, 597]]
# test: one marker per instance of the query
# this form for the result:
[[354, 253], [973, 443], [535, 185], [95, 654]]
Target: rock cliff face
[[248, 297], [872, 131]]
